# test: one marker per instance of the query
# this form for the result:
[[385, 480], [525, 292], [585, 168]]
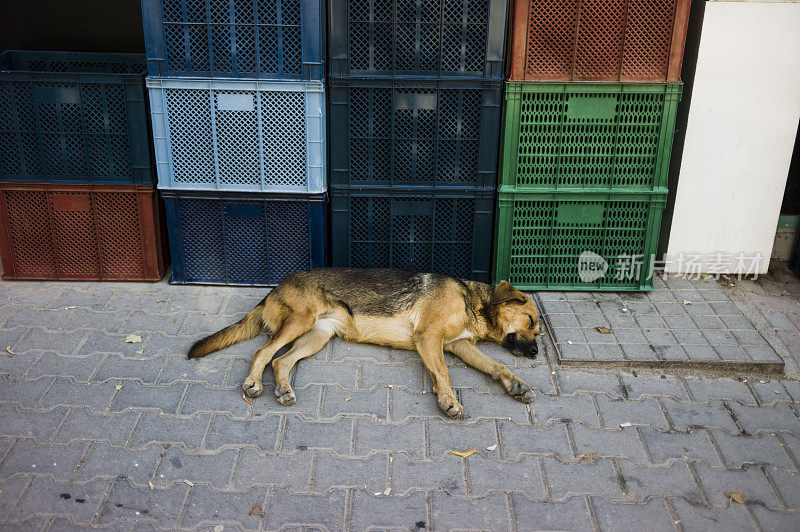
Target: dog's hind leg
[[469, 353], [292, 327], [429, 347], [305, 346]]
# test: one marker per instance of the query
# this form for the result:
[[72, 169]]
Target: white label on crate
[[235, 102], [591, 266]]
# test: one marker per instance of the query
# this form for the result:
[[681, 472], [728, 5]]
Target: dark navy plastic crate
[[70, 117], [243, 239], [464, 38], [261, 39], [414, 133], [437, 231]]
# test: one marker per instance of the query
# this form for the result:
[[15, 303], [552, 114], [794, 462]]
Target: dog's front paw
[[285, 395], [252, 387], [521, 391], [451, 406]]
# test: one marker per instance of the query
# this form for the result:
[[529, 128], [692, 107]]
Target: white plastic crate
[[253, 136]]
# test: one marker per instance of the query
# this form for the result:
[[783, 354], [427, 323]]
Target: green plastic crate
[[588, 136], [555, 240]]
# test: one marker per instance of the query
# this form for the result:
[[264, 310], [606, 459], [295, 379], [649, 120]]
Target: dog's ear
[[505, 293]]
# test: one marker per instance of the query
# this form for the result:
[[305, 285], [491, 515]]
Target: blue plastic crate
[[414, 134], [440, 231], [441, 38], [243, 239], [73, 118], [254, 136], [261, 39]]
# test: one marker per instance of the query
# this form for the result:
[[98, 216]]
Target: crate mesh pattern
[[72, 127], [542, 237], [233, 38], [598, 40], [80, 234], [574, 137], [246, 140], [240, 241], [436, 234], [415, 135]]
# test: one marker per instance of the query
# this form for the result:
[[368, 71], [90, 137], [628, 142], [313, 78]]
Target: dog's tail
[[246, 328]]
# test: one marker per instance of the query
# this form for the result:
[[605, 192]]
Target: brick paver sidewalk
[[98, 432]]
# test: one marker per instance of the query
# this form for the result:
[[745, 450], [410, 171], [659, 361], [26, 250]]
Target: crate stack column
[[591, 100], [238, 109], [77, 194], [415, 96]]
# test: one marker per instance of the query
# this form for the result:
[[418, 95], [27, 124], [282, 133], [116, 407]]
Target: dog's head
[[516, 318]]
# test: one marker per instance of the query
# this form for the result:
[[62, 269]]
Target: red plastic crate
[[597, 40], [81, 232]]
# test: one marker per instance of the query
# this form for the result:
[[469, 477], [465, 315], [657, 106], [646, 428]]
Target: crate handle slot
[[412, 100], [244, 210], [235, 102], [57, 94], [68, 202]]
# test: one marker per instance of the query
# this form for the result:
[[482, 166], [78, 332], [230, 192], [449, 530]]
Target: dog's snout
[[534, 349]]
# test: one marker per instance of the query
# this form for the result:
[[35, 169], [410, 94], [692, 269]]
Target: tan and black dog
[[425, 312]]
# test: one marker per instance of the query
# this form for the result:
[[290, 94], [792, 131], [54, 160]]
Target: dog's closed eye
[[533, 323]]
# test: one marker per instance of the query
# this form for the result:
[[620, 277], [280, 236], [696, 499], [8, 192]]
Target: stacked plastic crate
[[589, 118], [237, 102], [415, 90], [77, 200]]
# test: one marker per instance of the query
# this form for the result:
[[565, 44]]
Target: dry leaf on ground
[[464, 454], [133, 339], [256, 510], [736, 496], [603, 330]]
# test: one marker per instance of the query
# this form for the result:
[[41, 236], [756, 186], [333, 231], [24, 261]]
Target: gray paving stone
[[389, 512], [323, 511], [35, 297], [593, 336], [551, 440], [700, 353], [675, 480], [771, 520], [200, 398], [639, 352], [53, 365], [341, 350], [770, 392], [572, 514], [12, 490], [82, 425], [373, 435], [10, 337], [343, 374], [694, 446], [630, 336], [722, 389], [732, 354], [136, 396], [651, 322], [764, 449], [339, 472], [482, 406], [780, 320], [566, 320], [409, 375], [565, 409], [76, 501], [109, 322], [620, 443], [646, 412], [336, 402], [260, 431], [406, 405], [690, 337], [161, 344], [104, 461], [168, 324], [793, 388], [81, 299], [156, 427], [496, 475], [766, 418], [30, 424], [446, 436], [334, 435], [687, 417], [654, 386], [556, 307], [752, 482], [653, 514], [116, 367], [659, 337], [214, 470], [587, 477], [694, 517], [66, 392], [62, 342], [490, 513], [37, 318], [211, 371], [737, 322], [25, 393], [307, 405], [787, 484], [574, 381], [574, 352], [753, 338], [537, 377], [464, 378], [195, 302], [621, 321], [567, 335], [212, 508], [103, 342], [137, 301], [606, 351], [282, 470], [444, 473], [126, 502], [28, 458]]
